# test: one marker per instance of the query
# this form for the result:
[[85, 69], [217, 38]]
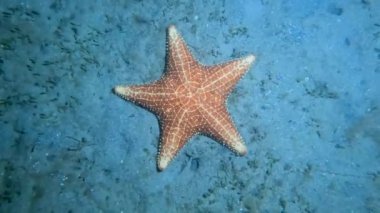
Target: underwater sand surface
[[308, 110]]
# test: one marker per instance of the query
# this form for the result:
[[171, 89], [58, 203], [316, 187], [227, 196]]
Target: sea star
[[190, 98]]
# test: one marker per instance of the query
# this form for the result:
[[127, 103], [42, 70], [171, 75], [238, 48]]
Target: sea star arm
[[175, 131], [179, 61], [218, 125], [224, 77], [148, 96]]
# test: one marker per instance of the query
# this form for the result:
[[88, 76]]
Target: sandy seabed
[[308, 109]]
